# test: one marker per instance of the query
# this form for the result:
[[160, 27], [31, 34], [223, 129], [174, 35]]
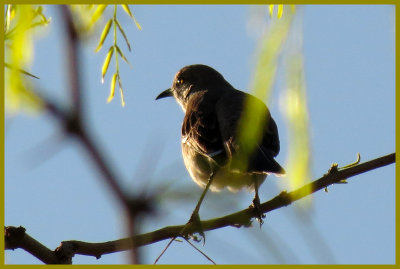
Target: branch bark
[[17, 238]]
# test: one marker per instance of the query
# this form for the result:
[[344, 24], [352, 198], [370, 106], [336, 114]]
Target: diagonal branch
[[67, 249]]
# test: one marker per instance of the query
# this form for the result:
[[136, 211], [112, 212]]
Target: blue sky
[[53, 190]]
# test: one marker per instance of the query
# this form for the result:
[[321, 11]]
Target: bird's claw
[[196, 222], [257, 208]]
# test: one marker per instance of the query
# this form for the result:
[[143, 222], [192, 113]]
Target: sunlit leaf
[[106, 63], [264, 75], [20, 70], [112, 87], [104, 34], [123, 34], [19, 50], [121, 54], [271, 10], [97, 14], [280, 11], [294, 105], [122, 97], [8, 18], [128, 11], [121, 92]]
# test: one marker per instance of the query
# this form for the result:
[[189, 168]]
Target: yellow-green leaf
[[104, 34], [271, 10], [97, 14], [121, 91], [123, 34], [112, 87], [121, 54], [128, 11], [280, 11], [122, 97], [106, 63], [8, 18], [20, 70]]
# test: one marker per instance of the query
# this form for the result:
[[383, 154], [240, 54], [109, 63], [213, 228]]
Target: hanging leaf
[[122, 92], [122, 55], [271, 10], [8, 18], [123, 34], [97, 14], [280, 11], [106, 63], [104, 34], [112, 87], [128, 11]]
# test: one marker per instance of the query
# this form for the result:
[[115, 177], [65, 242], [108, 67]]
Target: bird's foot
[[257, 208], [196, 222]]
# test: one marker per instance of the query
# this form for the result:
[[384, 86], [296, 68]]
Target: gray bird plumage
[[211, 143]]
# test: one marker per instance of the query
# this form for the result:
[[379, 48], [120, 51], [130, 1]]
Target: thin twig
[[72, 58]]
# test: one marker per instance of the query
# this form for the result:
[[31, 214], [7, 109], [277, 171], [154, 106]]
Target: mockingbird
[[214, 152]]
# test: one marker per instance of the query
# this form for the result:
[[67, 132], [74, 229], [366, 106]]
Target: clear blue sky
[[53, 190]]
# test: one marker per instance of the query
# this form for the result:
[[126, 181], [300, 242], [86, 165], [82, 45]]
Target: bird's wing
[[201, 132], [258, 154]]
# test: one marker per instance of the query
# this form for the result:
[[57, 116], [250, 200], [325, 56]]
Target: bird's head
[[193, 79]]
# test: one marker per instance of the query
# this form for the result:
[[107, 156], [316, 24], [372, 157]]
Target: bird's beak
[[166, 93]]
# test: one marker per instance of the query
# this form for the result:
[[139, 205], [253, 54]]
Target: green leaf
[[122, 97], [122, 92], [122, 55], [112, 87], [8, 18], [280, 11], [20, 70], [123, 34], [104, 34], [271, 10], [97, 14], [128, 11], [106, 63]]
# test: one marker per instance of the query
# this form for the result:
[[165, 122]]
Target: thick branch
[[238, 219]]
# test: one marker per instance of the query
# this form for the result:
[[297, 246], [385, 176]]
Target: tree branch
[[17, 238]]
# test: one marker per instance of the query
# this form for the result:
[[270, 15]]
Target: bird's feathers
[[258, 154], [212, 129]]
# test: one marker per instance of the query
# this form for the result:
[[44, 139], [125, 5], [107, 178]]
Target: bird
[[215, 149]]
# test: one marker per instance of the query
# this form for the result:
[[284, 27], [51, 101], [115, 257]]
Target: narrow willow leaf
[[123, 34], [104, 34], [280, 11], [20, 70], [112, 87], [128, 11], [8, 18], [121, 91], [97, 14], [122, 55], [106, 63], [271, 10], [122, 97]]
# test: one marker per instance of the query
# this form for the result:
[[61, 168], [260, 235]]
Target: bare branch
[[15, 237], [241, 218], [72, 58]]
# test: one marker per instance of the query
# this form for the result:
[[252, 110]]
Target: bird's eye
[[179, 81]]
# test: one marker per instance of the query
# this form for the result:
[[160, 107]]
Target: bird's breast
[[201, 167]]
